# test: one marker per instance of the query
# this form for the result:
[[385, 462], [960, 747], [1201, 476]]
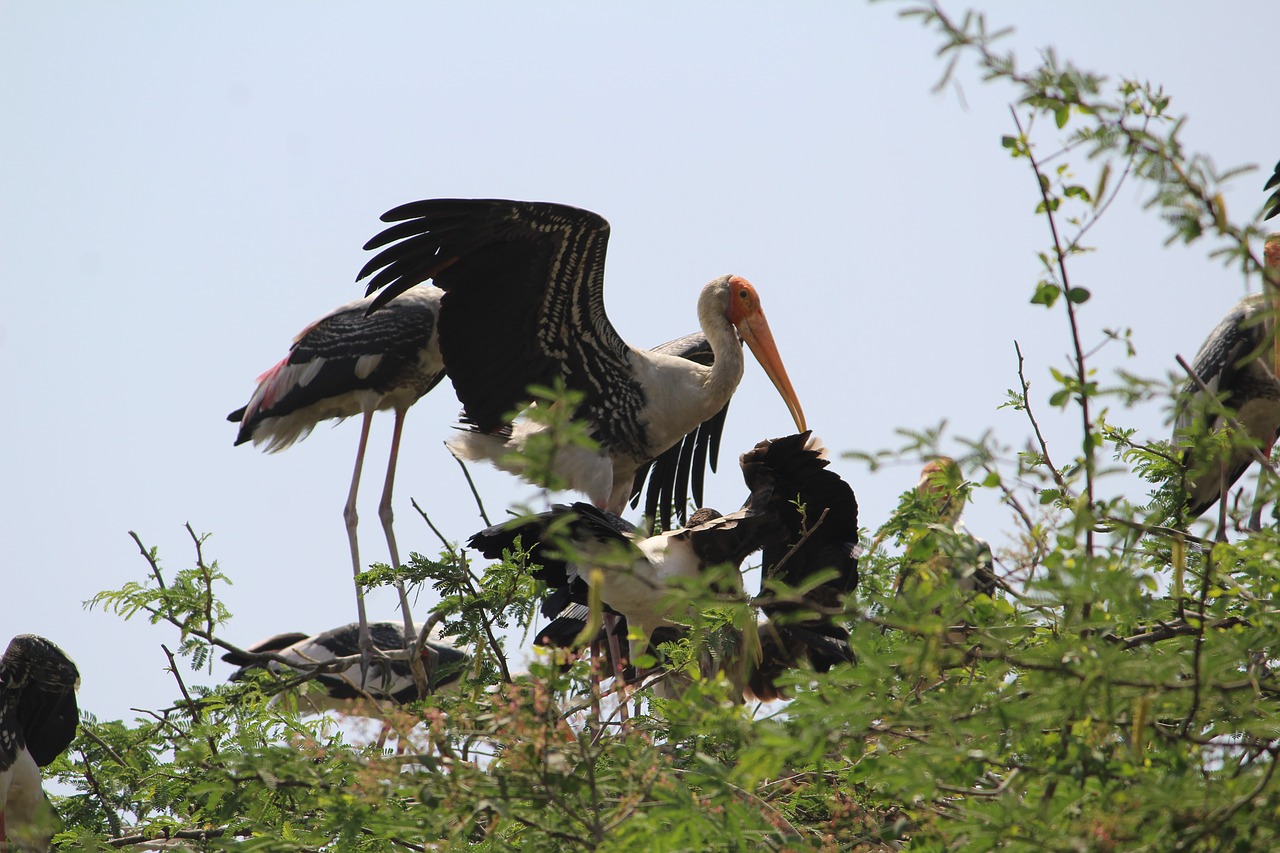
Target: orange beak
[[748, 318]]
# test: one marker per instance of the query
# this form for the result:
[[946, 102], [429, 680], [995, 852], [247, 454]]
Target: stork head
[[942, 481], [747, 317]]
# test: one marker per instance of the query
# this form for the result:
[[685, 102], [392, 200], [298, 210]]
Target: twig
[[113, 820], [194, 709], [1081, 373], [1035, 426], [475, 494]]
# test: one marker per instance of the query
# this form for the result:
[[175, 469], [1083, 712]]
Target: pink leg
[[615, 652], [349, 514], [388, 517]]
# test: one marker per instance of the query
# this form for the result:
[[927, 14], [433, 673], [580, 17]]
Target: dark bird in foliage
[[1273, 203], [386, 681], [1239, 364], [812, 530], [954, 555], [803, 516], [351, 362], [524, 305], [38, 719]]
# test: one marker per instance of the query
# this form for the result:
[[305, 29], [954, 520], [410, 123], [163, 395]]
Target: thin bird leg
[[388, 517], [349, 514], [620, 687], [1259, 499]]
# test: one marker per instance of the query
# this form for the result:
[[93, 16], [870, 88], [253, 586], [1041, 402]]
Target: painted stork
[[802, 515], [352, 362], [524, 305], [38, 719], [1240, 364], [955, 557], [387, 680]]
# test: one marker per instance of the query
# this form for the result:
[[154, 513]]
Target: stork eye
[[742, 294]]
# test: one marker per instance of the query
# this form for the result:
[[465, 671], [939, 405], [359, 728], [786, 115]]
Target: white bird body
[[386, 680], [681, 394]]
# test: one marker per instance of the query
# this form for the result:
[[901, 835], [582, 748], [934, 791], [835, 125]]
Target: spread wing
[[523, 305]]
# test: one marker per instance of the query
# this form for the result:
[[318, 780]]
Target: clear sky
[[185, 186]]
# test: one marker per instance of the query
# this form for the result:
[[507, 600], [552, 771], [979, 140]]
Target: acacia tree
[[1119, 693]]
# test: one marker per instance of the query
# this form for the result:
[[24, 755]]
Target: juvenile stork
[[1239, 364], [387, 680], [955, 557], [38, 719], [524, 305], [352, 362]]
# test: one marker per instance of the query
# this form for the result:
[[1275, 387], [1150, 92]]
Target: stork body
[[636, 571], [387, 680], [524, 305], [351, 362], [1237, 364], [38, 719], [1240, 362]]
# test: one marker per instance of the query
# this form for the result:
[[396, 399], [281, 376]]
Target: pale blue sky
[[186, 186]]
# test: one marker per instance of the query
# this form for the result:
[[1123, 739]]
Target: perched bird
[[524, 305], [38, 719], [813, 530], [1239, 364], [387, 680], [802, 515], [352, 362], [951, 554]]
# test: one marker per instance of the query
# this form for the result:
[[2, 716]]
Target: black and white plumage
[[351, 362], [1238, 364], [38, 719], [802, 515], [386, 681], [524, 305]]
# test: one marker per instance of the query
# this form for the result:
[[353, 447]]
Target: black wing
[[578, 523], [523, 305], [324, 361], [1226, 363], [1273, 203], [37, 700], [684, 463]]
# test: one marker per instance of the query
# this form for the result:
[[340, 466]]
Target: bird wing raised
[[683, 464], [523, 305]]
